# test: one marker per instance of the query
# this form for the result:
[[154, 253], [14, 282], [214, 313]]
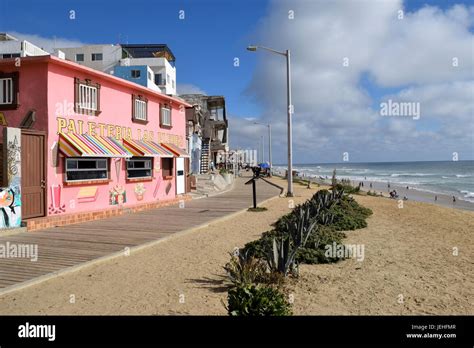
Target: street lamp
[[286, 54], [269, 143]]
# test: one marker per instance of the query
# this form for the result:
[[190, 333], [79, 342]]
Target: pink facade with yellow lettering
[[98, 142]]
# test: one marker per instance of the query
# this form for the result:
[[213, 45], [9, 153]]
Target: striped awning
[[146, 148], [85, 145], [178, 152]]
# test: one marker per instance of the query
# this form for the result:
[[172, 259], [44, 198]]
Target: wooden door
[[33, 180]]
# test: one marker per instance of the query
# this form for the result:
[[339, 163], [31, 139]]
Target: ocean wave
[[411, 174], [463, 176], [467, 194]]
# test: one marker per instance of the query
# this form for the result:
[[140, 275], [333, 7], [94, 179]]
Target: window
[[167, 78], [135, 74], [11, 55], [9, 91], [87, 97], [172, 83], [96, 56], [80, 57], [6, 91], [167, 167], [165, 117], [78, 169], [139, 108], [149, 75], [159, 80], [139, 167]]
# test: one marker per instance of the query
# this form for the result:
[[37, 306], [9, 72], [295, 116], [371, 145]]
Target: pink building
[[91, 144]]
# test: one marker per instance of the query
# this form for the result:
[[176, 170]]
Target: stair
[[209, 185], [205, 156]]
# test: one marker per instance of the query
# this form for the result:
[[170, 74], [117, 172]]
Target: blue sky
[[205, 43], [215, 32]]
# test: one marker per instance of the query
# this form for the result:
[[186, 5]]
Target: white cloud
[[333, 111], [187, 88], [47, 44]]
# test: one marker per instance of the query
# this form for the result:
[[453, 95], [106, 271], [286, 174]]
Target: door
[[33, 181], [180, 177]]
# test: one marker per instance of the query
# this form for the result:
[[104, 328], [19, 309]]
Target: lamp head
[[252, 48]]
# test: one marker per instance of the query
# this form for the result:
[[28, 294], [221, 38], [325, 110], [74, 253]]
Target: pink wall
[[116, 107], [33, 94]]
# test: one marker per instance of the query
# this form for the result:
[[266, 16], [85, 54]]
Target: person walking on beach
[[388, 185], [436, 198], [454, 199], [370, 185]]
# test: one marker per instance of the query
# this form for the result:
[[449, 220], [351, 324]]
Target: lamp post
[[269, 143], [286, 54]]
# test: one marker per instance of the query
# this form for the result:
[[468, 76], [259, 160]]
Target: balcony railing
[[28, 49]]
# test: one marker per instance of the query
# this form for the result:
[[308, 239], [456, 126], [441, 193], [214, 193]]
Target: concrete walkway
[[65, 248]]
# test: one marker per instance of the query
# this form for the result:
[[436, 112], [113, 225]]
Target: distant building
[[207, 130], [150, 65], [11, 47]]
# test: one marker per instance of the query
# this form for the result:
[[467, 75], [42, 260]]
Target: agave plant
[[283, 254]]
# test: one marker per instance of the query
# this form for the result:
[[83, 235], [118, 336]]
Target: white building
[[98, 57], [157, 58], [11, 47]]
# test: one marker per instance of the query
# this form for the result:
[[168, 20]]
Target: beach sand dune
[[408, 252]]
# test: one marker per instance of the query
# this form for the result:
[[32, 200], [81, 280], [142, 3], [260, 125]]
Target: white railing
[[28, 49]]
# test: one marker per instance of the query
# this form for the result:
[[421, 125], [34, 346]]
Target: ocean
[[454, 178]]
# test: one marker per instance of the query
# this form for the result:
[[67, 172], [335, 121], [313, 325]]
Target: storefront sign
[[118, 132]]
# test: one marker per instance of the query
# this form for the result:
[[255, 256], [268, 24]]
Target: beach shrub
[[348, 188], [257, 300], [348, 215], [312, 253], [257, 209], [315, 249], [333, 212], [243, 269]]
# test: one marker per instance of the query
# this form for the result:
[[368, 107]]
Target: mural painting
[[10, 197], [87, 194], [157, 186], [139, 191], [168, 188], [117, 195], [56, 207], [9, 200]]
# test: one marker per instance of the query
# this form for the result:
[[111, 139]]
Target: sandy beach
[[412, 194], [408, 268]]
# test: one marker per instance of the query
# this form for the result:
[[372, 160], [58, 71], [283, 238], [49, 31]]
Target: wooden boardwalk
[[68, 246]]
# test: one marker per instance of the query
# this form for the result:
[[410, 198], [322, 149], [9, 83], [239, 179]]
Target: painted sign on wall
[[118, 132]]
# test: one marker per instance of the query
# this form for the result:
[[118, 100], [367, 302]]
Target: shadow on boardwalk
[[64, 247]]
